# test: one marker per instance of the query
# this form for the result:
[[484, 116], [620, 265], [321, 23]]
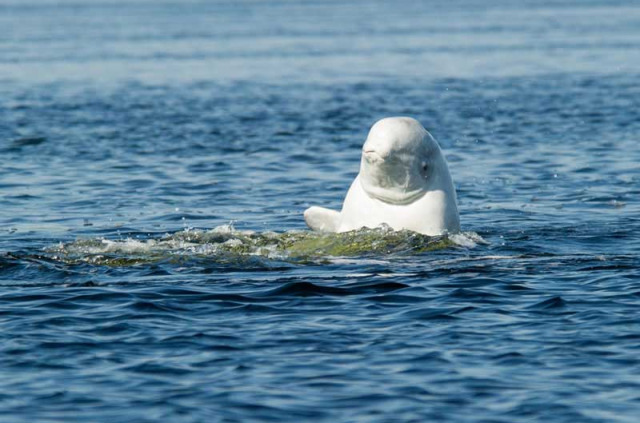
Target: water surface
[[156, 159]]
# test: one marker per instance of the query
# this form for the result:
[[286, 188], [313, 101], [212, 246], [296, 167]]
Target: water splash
[[225, 242]]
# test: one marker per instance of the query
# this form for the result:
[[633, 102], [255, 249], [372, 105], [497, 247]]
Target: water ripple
[[155, 266]]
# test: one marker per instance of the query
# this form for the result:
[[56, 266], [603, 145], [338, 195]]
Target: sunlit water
[[156, 160]]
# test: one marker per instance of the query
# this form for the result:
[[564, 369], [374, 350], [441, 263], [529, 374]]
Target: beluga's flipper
[[321, 219]]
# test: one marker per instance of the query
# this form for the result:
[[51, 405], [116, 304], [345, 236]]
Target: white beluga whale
[[404, 182]]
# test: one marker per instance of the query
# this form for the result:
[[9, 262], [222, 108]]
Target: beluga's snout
[[372, 156]]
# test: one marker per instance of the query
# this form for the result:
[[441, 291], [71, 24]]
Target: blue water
[[156, 158]]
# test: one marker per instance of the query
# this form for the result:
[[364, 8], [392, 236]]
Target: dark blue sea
[[156, 158]]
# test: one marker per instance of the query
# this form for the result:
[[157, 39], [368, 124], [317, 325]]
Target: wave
[[225, 242]]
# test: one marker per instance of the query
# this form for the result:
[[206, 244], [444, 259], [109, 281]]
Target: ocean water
[[156, 158]]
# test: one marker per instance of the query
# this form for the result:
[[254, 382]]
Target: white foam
[[467, 239]]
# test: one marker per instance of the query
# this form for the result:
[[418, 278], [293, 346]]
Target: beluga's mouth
[[372, 156]]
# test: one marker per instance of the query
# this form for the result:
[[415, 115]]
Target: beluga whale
[[404, 183]]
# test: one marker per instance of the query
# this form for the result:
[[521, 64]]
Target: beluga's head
[[401, 162]]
